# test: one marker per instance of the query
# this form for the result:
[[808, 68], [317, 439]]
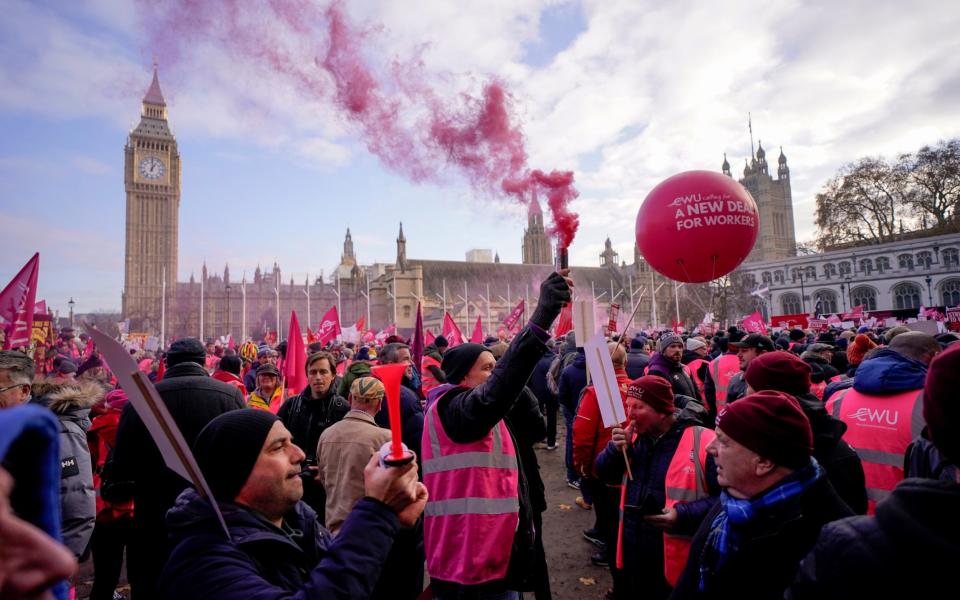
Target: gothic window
[[867, 296], [883, 264], [830, 270], [766, 277], [866, 265], [825, 301], [951, 292], [905, 261], [796, 273], [844, 268], [406, 312], [924, 259], [951, 257], [778, 276], [906, 295], [791, 304], [811, 273]]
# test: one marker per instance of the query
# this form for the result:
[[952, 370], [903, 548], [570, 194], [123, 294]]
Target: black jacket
[[193, 399], [771, 547], [468, 415], [299, 561], [307, 418], [637, 361], [908, 550], [838, 459], [538, 381], [676, 374]]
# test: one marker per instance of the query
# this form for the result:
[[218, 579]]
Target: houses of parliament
[[216, 305]]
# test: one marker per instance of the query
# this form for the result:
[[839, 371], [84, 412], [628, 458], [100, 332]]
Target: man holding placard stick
[[674, 482]]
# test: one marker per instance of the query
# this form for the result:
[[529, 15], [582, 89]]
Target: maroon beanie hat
[[782, 371], [655, 391], [771, 424], [941, 406]]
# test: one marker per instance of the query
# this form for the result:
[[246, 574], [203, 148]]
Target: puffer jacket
[[906, 550], [262, 561], [70, 401], [573, 379], [676, 374], [888, 372]]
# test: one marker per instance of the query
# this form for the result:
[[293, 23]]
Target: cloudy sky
[[624, 93]]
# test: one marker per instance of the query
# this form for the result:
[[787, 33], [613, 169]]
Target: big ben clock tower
[[151, 176]]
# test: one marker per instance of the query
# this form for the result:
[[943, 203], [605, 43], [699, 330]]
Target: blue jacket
[[649, 460], [262, 561], [573, 380], [538, 381], [889, 372]]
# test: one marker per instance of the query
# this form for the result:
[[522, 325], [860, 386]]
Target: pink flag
[[17, 302], [754, 323], [294, 368], [451, 331], [428, 338], [230, 343], [385, 333], [329, 327], [564, 321], [40, 307], [477, 336], [514, 317]]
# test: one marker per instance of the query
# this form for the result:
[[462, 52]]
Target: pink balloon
[[697, 226]]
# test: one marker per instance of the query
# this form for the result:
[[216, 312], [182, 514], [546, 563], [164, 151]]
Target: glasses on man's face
[[10, 387]]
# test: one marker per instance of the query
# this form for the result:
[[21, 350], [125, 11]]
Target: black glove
[[554, 294]]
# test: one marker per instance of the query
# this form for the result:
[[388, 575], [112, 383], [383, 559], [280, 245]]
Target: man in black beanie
[[140, 474], [483, 420], [277, 547]]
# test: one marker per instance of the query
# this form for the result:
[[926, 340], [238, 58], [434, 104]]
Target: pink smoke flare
[[319, 54]]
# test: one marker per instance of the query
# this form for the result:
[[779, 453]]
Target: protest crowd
[[785, 462]]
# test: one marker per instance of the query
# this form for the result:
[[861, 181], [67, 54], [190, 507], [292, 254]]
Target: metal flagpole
[[369, 322], [308, 301], [201, 308], [488, 305], [243, 318], [466, 308], [276, 291], [676, 300], [653, 297], [339, 306], [163, 308]]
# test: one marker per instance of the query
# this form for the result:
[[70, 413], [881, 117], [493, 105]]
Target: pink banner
[[294, 368], [477, 336], [17, 303], [514, 317]]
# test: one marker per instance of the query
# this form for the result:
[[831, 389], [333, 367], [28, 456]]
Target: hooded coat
[[907, 550], [360, 368], [676, 374], [263, 561], [888, 372], [70, 401]]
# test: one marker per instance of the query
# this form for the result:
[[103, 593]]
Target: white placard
[[604, 381], [925, 326], [584, 320]]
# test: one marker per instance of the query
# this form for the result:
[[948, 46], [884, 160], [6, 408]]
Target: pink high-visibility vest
[[473, 511], [879, 428], [686, 481], [722, 370]]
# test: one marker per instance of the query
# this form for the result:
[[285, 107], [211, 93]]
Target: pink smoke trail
[[318, 53]]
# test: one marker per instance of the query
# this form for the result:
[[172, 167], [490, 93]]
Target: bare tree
[[863, 203], [934, 173]]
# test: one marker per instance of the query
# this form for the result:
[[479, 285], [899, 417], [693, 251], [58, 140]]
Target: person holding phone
[[673, 481]]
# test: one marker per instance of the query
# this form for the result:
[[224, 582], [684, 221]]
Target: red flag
[[428, 338], [385, 333], [17, 303], [361, 323], [230, 343], [310, 337], [451, 331], [754, 323], [514, 317], [416, 348], [161, 369], [329, 328], [677, 327], [477, 336], [294, 368], [564, 321], [40, 307]]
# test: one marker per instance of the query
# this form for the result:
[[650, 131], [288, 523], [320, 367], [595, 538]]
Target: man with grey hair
[[17, 371], [882, 410]]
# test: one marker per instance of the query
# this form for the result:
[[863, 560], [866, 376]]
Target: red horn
[[391, 375]]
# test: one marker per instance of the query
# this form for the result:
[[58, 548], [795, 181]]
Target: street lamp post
[[843, 296], [929, 279], [70, 304]]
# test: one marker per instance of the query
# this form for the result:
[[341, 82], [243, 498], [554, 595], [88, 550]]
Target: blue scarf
[[724, 537]]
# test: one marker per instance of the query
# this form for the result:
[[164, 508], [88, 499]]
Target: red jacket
[[590, 437], [228, 377]]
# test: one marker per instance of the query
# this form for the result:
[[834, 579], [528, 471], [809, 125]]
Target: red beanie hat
[[858, 348], [771, 424], [782, 371], [941, 406], [655, 391]]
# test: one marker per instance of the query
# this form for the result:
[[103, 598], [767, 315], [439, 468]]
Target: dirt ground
[[572, 575]]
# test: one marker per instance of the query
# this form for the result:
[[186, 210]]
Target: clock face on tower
[[151, 167]]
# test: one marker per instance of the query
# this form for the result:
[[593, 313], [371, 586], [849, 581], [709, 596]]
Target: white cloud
[[92, 166]]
